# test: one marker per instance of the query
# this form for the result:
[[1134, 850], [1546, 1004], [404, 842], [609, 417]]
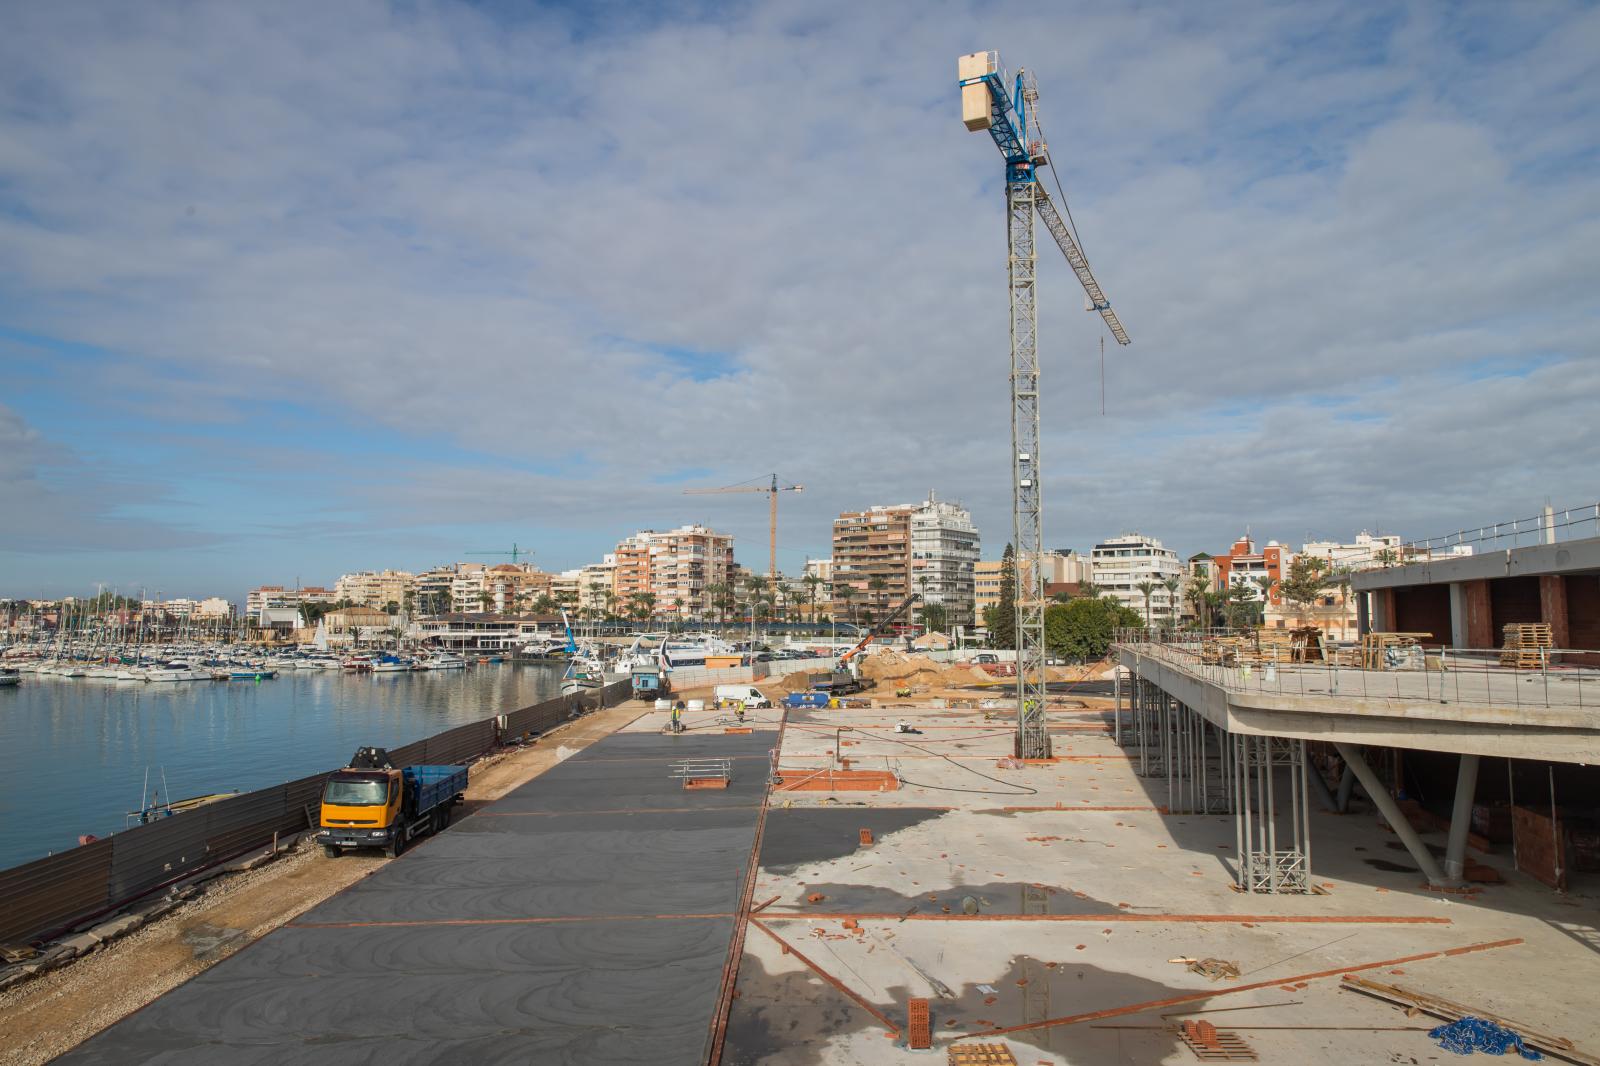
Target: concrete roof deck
[[1083, 890], [1486, 710]]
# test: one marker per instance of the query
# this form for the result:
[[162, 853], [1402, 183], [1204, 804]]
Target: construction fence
[[49, 896]]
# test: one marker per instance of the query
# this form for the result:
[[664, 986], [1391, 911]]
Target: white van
[[748, 695]]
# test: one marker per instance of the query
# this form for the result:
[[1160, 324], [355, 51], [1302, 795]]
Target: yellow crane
[[772, 491]]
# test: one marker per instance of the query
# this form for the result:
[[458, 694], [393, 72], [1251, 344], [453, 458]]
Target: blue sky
[[291, 291]]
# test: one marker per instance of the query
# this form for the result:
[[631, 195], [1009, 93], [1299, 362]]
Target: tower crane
[[772, 491], [1011, 117], [515, 553]]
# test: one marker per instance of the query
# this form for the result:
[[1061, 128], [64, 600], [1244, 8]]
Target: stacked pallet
[[1526, 645]]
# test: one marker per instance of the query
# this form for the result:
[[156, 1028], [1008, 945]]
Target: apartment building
[[375, 589], [1122, 563], [1258, 572], [944, 555], [885, 553], [1065, 570], [676, 567], [872, 560]]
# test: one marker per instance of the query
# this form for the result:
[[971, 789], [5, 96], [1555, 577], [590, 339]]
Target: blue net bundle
[[1469, 1035]]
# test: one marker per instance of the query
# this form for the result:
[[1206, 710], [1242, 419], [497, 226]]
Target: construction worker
[[738, 711], [677, 716]]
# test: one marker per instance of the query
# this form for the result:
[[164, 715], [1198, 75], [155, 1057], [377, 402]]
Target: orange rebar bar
[[1136, 1008]]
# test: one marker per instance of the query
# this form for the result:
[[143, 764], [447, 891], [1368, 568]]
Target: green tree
[[876, 586], [935, 617], [1307, 580], [845, 593], [1082, 630], [1001, 619], [647, 600], [391, 607], [1240, 607], [1199, 594], [485, 599], [811, 582], [1172, 585], [1146, 587]]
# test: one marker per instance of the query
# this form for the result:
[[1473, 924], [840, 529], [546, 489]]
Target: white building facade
[[1120, 564], [944, 553]]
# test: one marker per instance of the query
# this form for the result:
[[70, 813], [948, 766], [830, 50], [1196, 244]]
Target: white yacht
[[692, 649], [442, 661], [176, 670]]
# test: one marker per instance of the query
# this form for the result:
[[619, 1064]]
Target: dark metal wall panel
[[243, 821], [148, 855], [538, 718], [460, 744], [301, 800], [51, 893], [409, 754]]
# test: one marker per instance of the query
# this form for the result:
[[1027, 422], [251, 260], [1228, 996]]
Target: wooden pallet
[[981, 1055], [1526, 645]]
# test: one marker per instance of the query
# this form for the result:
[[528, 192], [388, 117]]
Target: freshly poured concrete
[[1083, 890], [584, 918]]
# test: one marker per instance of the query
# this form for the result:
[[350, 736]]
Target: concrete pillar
[[1363, 614], [1480, 619], [1392, 814], [1458, 616], [1383, 610], [1553, 607], [1455, 851]]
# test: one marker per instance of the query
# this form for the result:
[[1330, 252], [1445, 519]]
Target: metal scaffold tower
[[1012, 120]]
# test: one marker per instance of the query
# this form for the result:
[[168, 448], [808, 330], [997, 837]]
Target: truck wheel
[[394, 847], [443, 819], [330, 851]]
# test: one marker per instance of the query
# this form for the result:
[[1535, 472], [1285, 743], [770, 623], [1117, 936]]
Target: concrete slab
[[1084, 889], [586, 917]]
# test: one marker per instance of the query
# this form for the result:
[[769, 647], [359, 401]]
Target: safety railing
[[1476, 677]]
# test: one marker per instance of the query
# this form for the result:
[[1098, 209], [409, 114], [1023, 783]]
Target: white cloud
[[427, 218]]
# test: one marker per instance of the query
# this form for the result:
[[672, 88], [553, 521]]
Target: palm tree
[[1198, 588], [1146, 587], [647, 600], [1341, 580], [1172, 584], [877, 585], [485, 599], [1089, 590], [844, 594], [713, 593], [811, 581], [784, 594]]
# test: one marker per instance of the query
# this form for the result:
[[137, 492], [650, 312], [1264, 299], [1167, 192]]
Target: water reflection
[[73, 751]]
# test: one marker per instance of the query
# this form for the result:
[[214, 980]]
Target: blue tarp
[[1470, 1035]]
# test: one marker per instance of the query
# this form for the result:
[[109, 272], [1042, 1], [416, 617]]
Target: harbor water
[[74, 752]]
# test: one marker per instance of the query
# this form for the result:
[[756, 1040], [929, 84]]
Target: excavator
[[846, 678]]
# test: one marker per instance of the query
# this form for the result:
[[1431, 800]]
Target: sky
[[297, 289]]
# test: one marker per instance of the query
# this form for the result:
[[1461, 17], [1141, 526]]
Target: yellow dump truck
[[373, 804]]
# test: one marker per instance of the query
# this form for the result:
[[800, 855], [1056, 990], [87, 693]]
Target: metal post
[[1392, 814], [1455, 852]]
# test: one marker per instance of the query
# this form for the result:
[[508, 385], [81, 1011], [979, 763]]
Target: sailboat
[[585, 673]]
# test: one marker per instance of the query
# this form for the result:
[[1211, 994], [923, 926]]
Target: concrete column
[[1392, 813], [1480, 619], [1383, 610], [1363, 614], [1455, 851], [1553, 607], [1458, 616]]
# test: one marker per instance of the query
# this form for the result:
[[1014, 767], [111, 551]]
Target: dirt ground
[[46, 1017]]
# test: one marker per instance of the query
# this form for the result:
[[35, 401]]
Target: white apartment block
[[1120, 564], [944, 554], [367, 588], [214, 607]]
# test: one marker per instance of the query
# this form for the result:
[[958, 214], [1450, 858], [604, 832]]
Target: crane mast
[[985, 105]]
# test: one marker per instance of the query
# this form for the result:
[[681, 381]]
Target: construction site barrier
[[50, 896]]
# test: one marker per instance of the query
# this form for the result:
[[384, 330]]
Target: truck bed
[[429, 786]]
